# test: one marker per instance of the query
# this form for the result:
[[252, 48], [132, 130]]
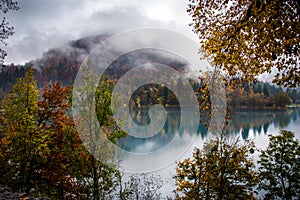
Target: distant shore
[[247, 108]]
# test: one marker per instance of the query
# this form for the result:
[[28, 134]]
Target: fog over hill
[[62, 63]]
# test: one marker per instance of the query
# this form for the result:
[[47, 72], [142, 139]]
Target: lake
[[159, 153]]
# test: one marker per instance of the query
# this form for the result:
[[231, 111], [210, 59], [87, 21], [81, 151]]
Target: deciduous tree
[[41, 152], [141, 186], [219, 171], [246, 38], [282, 99], [66, 154], [99, 133], [25, 144]]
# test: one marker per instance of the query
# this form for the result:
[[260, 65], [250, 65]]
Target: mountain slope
[[62, 63]]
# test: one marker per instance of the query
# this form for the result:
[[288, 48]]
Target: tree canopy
[[19, 127], [220, 170], [280, 167], [246, 38], [40, 148]]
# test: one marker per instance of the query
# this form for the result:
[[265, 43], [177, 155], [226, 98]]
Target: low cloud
[[40, 25]]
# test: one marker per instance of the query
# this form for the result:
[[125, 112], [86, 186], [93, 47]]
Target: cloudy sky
[[42, 24]]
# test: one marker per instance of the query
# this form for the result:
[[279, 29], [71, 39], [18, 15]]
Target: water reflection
[[242, 123], [171, 127], [260, 121]]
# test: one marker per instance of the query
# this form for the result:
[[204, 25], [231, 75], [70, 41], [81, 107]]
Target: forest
[[42, 155]]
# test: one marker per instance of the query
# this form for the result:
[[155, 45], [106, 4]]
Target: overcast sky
[[42, 24]]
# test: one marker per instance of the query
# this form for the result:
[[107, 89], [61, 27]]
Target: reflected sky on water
[[246, 125]]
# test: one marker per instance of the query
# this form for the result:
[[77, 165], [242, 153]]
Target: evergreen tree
[[266, 89], [280, 167]]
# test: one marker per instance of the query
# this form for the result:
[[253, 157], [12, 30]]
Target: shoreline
[[239, 108]]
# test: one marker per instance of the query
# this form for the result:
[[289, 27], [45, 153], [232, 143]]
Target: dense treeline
[[261, 95], [62, 64], [59, 66]]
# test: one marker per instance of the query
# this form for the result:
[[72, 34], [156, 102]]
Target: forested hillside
[[62, 63]]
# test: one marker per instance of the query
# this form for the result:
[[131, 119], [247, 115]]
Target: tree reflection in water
[[242, 123]]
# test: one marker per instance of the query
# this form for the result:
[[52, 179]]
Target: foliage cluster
[[246, 38], [224, 170], [261, 95]]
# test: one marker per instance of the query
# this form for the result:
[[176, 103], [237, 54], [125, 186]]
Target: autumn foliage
[[246, 38], [41, 152], [218, 171]]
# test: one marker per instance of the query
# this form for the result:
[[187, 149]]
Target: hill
[[62, 63]]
